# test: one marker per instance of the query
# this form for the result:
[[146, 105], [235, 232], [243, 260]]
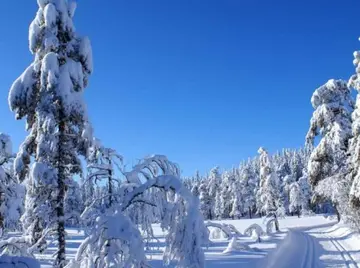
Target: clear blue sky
[[205, 82]]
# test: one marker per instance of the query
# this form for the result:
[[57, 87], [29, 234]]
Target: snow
[[320, 240], [18, 262], [85, 52], [50, 15], [324, 246]]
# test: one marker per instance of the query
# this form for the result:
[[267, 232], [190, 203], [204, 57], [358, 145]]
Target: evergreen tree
[[269, 186], [206, 203], [305, 192], [295, 198], [49, 96], [214, 181], [11, 193], [218, 212], [328, 161]]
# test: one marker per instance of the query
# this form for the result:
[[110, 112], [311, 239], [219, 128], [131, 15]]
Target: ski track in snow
[[349, 260], [309, 257], [302, 249]]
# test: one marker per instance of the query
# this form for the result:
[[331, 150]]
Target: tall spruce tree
[[269, 186], [331, 121], [49, 95]]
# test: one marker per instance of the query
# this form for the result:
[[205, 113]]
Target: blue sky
[[205, 82]]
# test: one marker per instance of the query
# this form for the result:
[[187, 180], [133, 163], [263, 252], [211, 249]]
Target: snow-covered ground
[[302, 242]]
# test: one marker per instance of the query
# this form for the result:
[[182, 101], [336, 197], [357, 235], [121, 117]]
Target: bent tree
[[116, 241], [49, 95]]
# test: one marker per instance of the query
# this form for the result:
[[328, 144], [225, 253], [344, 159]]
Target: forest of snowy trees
[[63, 176]]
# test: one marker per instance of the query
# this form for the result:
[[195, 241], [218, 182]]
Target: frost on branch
[[151, 167]]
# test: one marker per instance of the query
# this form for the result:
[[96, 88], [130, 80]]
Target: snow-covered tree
[[49, 95], [331, 121], [11, 193], [196, 184], [206, 203], [218, 206], [269, 186], [73, 204], [236, 201], [354, 147], [116, 241], [102, 169], [226, 192], [295, 198], [214, 181], [247, 187], [287, 181], [305, 192]]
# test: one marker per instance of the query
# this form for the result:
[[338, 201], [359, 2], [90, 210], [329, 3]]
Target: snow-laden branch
[[152, 167]]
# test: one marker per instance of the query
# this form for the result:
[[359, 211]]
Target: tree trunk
[[298, 212], [110, 188], [37, 234], [250, 216], [276, 223], [60, 260], [337, 213]]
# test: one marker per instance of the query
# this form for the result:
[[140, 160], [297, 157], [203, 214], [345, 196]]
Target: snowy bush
[[216, 233], [271, 225], [115, 242], [255, 231], [221, 228]]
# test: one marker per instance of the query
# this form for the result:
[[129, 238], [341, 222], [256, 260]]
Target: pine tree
[[205, 201], [49, 96], [305, 192], [295, 198], [11, 193], [269, 186], [247, 188], [218, 206], [214, 181], [331, 121], [236, 200]]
